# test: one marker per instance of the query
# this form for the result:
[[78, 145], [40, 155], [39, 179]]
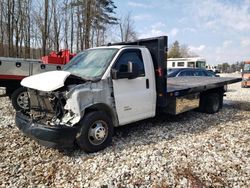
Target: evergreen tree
[[174, 51]]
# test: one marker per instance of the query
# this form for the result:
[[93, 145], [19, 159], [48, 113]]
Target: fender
[[89, 96]]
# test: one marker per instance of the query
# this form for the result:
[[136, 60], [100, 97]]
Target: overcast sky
[[218, 30]]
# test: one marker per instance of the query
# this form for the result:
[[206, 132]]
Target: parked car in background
[[176, 72]]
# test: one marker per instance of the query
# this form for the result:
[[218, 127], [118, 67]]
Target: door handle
[[147, 83]]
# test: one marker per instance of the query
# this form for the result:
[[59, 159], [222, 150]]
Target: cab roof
[[119, 46]]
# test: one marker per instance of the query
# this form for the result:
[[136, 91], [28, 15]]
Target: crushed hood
[[48, 81]]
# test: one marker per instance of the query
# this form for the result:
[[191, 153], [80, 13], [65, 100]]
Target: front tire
[[96, 130]]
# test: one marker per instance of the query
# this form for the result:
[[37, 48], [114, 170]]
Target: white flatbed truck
[[105, 87]]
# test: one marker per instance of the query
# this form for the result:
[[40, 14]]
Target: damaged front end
[[43, 122], [53, 118], [48, 108], [47, 121]]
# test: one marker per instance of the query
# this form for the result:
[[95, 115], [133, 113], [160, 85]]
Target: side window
[[190, 73], [208, 73], [191, 64], [173, 64], [133, 56], [182, 73], [180, 64], [200, 73], [185, 73]]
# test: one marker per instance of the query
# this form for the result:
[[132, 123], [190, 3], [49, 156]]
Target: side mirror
[[129, 70], [133, 70]]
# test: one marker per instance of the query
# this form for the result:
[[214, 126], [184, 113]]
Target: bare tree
[[88, 4], [10, 25], [27, 29], [72, 28], [30, 28], [65, 21], [56, 23], [45, 27], [127, 30], [2, 30], [17, 27]]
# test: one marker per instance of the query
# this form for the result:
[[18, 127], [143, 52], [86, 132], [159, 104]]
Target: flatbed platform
[[180, 86]]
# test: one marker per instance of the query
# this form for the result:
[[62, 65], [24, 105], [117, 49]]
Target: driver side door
[[134, 98]]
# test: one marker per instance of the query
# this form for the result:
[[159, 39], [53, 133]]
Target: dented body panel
[[89, 95]]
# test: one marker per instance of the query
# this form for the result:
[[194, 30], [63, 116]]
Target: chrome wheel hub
[[23, 100], [98, 132]]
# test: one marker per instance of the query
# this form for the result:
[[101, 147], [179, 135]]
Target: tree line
[[230, 68], [181, 51], [32, 28]]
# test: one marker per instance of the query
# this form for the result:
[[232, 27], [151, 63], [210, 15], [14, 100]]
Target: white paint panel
[[47, 81], [132, 99]]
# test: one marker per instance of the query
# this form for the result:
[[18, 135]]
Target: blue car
[[176, 72]]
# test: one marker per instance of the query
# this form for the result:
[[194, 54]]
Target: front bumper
[[55, 137]]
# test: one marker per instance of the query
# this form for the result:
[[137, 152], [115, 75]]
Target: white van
[[194, 62], [212, 68]]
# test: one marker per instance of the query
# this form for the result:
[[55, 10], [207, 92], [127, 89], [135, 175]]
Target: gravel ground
[[188, 150]]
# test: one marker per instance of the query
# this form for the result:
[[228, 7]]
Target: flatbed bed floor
[[179, 86]]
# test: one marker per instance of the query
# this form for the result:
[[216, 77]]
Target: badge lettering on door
[[126, 108]]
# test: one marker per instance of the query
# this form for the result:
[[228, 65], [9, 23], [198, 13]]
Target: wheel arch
[[105, 108]]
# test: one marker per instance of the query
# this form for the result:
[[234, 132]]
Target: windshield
[[172, 72], [247, 68], [91, 63], [169, 71]]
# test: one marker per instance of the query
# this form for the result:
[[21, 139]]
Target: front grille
[[46, 107]]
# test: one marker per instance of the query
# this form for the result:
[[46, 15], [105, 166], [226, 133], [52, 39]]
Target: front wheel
[[95, 134]]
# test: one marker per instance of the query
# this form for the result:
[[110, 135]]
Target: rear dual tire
[[211, 103]]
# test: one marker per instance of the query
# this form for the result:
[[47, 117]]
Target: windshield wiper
[[79, 77]]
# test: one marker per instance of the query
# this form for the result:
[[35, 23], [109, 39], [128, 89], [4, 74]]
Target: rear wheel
[[20, 99], [95, 133], [212, 103]]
